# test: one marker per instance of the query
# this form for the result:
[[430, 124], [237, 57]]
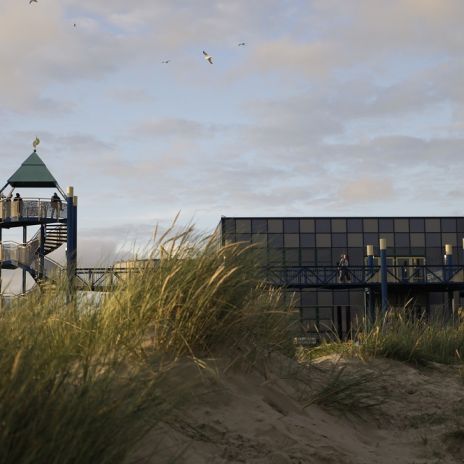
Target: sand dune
[[259, 417]]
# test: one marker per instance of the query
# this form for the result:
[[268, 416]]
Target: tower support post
[[71, 252]]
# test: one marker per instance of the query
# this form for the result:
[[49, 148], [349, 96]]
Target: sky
[[333, 108]]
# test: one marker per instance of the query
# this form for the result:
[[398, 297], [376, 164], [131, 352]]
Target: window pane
[[432, 225], [275, 240], [324, 298], [324, 256], [259, 226], [434, 257], [243, 237], [243, 226], [323, 240], [417, 240], [386, 225], [356, 256], [291, 226], [460, 225], [371, 225], [323, 225], [308, 298], [307, 225], [448, 225], [433, 240], [292, 256], [259, 239], [308, 257], [417, 225], [291, 240], [338, 225], [355, 240], [341, 298], [401, 240], [307, 240], [229, 226], [401, 225], [339, 240], [354, 225], [390, 238], [275, 226], [371, 239], [275, 256]]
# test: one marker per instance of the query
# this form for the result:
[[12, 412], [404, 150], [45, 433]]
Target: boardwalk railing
[[30, 208]]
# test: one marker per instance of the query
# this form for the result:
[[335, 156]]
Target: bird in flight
[[208, 58], [75, 25], [33, 1], [166, 61], [241, 44]]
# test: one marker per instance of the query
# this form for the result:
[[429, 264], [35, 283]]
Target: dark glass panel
[[386, 225], [341, 298], [434, 256], [291, 240], [356, 256], [354, 225], [371, 239], [229, 238], [417, 225], [259, 226], [307, 226], [292, 256], [308, 298], [259, 239], [390, 239], [401, 225], [243, 237], [229, 226], [243, 226], [275, 240], [433, 240], [418, 240], [402, 251], [339, 240], [338, 225], [323, 240], [357, 298], [323, 226], [324, 256], [432, 225], [324, 298], [307, 240], [291, 226], [448, 225], [275, 256], [355, 240], [371, 225], [275, 226], [401, 240], [308, 257], [460, 224], [418, 251]]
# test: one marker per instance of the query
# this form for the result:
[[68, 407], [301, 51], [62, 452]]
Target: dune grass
[[84, 382]]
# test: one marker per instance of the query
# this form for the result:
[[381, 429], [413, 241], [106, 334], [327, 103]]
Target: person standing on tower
[[56, 205], [18, 205]]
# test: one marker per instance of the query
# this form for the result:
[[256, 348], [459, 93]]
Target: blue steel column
[[42, 251], [383, 274], [448, 258], [370, 266], [24, 271], [71, 241]]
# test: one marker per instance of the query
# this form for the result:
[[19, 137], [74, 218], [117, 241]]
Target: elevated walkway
[[29, 212]]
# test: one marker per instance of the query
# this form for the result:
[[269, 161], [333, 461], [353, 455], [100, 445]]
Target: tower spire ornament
[[35, 142]]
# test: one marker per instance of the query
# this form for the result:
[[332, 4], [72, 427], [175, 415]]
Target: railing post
[[371, 297], [383, 274]]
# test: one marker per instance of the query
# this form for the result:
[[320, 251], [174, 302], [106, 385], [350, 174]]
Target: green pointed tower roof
[[33, 173]]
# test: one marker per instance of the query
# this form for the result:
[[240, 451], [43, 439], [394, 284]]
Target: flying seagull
[[33, 1], [75, 25], [241, 44], [35, 142], [208, 58], [166, 61]]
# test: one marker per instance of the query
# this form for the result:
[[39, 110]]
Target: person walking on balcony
[[343, 264], [18, 205], [56, 205]]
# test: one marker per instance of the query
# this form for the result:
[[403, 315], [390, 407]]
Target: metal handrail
[[33, 208]]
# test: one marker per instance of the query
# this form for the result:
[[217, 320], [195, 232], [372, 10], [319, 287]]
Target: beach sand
[[264, 415]]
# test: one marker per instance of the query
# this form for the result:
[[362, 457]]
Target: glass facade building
[[320, 241]]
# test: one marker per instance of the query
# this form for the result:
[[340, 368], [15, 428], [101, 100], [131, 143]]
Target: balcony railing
[[30, 208]]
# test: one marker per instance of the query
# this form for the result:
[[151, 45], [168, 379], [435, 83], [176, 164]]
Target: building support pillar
[[383, 274], [24, 270]]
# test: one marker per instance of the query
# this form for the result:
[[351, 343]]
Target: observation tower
[[56, 217]]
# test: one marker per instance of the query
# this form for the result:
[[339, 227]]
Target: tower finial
[[35, 142]]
